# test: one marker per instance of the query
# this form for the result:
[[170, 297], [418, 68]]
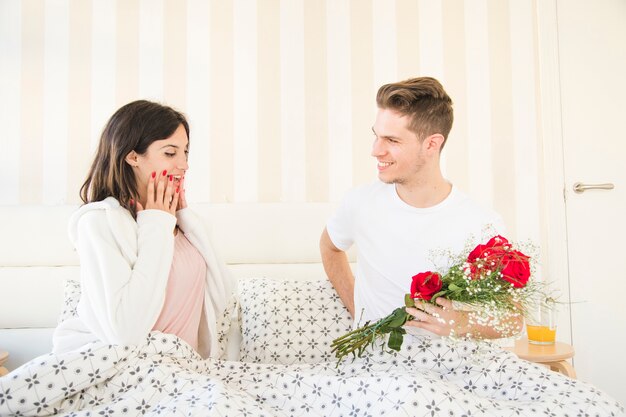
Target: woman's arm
[[124, 296]]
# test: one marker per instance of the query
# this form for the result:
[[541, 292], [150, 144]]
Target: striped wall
[[279, 93]]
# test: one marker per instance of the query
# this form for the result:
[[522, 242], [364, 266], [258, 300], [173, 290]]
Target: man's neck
[[424, 194]]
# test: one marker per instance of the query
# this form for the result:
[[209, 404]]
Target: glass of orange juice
[[541, 323]]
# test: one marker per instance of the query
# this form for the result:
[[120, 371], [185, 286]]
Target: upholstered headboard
[[274, 240]]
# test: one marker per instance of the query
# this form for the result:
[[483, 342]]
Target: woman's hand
[[443, 321], [182, 201], [161, 194]]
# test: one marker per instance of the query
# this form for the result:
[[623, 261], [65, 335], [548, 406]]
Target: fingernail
[[177, 189], [153, 174], [132, 202], [171, 176], [164, 172]]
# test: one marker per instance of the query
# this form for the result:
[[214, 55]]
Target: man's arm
[[338, 270]]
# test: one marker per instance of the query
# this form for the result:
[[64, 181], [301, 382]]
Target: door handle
[[579, 187]]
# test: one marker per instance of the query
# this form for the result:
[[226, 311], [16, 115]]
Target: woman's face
[[169, 155]]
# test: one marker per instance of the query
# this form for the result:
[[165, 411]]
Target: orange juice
[[541, 335]]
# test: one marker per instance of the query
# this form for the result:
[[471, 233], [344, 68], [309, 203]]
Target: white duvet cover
[[166, 377]]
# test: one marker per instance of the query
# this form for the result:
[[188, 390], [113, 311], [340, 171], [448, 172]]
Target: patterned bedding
[[166, 377]]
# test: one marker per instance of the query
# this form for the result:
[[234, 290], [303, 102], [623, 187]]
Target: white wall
[[280, 94]]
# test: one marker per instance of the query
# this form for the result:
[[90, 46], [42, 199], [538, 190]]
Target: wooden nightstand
[[3, 358], [553, 356]]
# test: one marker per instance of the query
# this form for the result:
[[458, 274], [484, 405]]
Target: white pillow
[[280, 321], [289, 322]]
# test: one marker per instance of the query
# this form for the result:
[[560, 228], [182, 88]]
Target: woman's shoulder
[[97, 209], [95, 215], [109, 203]]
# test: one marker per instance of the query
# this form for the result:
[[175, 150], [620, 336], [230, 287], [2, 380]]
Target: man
[[399, 223]]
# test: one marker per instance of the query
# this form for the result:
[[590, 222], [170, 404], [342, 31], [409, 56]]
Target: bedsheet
[[164, 376]]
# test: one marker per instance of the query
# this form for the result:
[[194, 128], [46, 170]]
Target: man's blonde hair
[[424, 101]]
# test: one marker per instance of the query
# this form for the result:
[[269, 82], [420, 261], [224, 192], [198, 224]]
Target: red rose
[[499, 241], [488, 256], [476, 253], [515, 268], [495, 245], [425, 284]]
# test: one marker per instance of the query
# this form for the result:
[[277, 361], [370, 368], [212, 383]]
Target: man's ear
[[433, 142], [131, 159]]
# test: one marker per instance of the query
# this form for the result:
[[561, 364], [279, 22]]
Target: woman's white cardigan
[[124, 269]]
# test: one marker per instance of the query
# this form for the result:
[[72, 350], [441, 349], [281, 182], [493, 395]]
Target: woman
[[146, 263]]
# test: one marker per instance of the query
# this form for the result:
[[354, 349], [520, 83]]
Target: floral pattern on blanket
[[166, 377]]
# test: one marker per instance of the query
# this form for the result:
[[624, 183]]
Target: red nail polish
[[171, 177], [164, 172], [132, 202], [177, 189], [153, 174]]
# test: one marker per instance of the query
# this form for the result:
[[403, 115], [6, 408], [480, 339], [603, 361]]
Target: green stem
[[356, 341], [358, 330]]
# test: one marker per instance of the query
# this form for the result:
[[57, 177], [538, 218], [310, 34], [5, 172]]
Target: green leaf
[[454, 287], [398, 318], [438, 294], [395, 339], [409, 301]]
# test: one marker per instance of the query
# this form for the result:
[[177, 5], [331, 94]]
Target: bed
[[274, 339], [38, 258]]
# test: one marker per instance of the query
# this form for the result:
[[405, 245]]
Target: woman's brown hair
[[131, 128]]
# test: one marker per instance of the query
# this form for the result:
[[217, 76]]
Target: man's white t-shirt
[[396, 241]]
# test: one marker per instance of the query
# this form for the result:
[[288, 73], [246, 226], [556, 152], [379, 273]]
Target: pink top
[[184, 296]]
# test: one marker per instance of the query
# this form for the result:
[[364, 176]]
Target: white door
[[592, 53]]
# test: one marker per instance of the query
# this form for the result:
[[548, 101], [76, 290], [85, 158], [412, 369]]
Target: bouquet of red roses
[[492, 282]]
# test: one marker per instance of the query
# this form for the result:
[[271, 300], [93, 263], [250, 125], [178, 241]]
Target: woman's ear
[[131, 159]]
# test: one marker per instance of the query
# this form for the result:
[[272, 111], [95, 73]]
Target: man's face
[[397, 149]]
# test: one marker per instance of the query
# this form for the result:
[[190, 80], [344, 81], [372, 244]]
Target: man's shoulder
[[369, 190], [470, 208], [461, 199]]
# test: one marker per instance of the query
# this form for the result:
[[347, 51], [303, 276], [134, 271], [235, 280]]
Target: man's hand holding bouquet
[[484, 295]]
